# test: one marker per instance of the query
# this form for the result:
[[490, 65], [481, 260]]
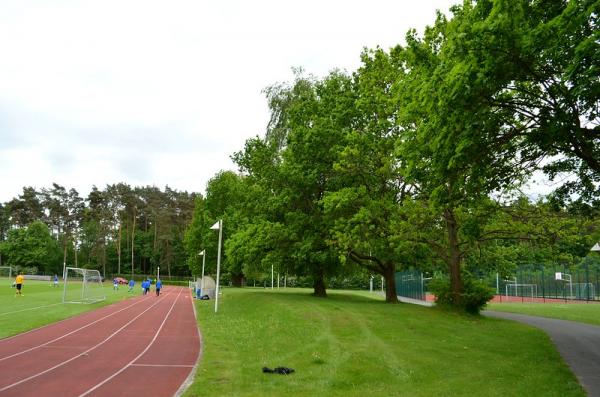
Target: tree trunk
[[119, 250], [456, 284], [132, 242], [168, 260], [64, 249], [390, 283], [319, 285], [237, 280], [104, 259]]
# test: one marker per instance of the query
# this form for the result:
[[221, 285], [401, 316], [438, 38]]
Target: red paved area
[[143, 346]]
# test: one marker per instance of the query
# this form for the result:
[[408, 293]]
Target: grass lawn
[[582, 312], [41, 305], [352, 344]]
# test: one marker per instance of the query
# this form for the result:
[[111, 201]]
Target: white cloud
[[154, 92]]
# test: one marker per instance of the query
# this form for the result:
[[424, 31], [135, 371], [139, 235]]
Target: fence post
[[587, 281], [543, 285]]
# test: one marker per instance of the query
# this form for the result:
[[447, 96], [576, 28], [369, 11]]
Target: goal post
[[521, 290], [6, 271], [584, 291], [82, 286]]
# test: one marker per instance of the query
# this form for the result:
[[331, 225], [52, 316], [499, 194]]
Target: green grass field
[[581, 312], [41, 305], [352, 344]]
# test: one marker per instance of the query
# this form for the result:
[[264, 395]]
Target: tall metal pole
[[158, 272], [272, 276], [202, 279], [218, 265]]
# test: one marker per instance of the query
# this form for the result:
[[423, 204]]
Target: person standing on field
[[158, 286], [19, 284], [55, 280], [131, 284]]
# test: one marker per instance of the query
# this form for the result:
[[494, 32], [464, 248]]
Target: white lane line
[[31, 308], [138, 356], [70, 333], [190, 378], [162, 365], [83, 353]]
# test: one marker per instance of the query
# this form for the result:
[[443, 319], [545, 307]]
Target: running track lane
[[147, 345]]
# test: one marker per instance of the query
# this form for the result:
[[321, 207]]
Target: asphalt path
[[577, 343]]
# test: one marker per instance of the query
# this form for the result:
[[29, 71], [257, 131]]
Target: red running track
[[145, 346]]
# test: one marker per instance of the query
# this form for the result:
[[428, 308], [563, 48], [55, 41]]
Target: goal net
[[521, 290], [584, 291], [82, 286], [6, 272]]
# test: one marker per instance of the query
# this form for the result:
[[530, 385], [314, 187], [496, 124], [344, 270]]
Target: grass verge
[[41, 305], [581, 312], [352, 344]]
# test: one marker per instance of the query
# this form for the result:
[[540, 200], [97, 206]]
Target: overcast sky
[[163, 92]]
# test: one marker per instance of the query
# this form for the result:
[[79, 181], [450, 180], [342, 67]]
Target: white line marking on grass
[[138, 356], [31, 308], [80, 354]]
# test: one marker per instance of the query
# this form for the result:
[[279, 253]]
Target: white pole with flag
[[218, 226]]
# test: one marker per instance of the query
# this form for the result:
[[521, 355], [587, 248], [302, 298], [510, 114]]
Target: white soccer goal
[[583, 291], [6, 271], [83, 286], [521, 290]]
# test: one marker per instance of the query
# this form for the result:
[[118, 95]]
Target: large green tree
[[32, 247]]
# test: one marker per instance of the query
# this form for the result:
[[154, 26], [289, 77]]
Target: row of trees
[[118, 230], [417, 158]]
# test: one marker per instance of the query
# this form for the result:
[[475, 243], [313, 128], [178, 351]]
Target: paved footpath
[[577, 343]]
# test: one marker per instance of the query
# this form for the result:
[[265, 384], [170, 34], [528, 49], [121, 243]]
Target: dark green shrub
[[474, 297]]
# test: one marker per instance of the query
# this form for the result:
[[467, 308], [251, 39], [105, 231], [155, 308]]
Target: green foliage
[[32, 247], [474, 297]]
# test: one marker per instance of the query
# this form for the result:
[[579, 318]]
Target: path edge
[[190, 378]]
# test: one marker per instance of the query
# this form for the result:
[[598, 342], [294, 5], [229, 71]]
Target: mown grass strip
[[352, 344], [581, 312]]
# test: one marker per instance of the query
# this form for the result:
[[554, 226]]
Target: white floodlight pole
[[158, 273], [219, 226], [497, 284], [203, 254], [278, 277], [272, 275], [371, 283]]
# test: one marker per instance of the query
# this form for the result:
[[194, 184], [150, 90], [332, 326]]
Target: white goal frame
[[90, 280], [583, 291], [10, 270], [533, 288]]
